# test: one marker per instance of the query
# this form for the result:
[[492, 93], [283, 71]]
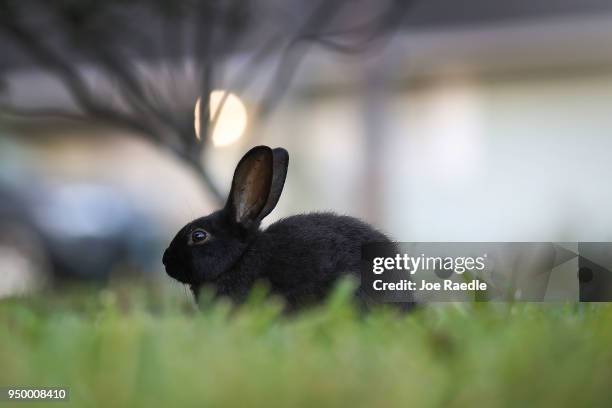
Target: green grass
[[131, 347]]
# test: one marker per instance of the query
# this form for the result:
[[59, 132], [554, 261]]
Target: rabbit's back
[[308, 252], [326, 227]]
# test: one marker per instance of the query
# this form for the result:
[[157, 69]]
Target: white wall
[[507, 159]]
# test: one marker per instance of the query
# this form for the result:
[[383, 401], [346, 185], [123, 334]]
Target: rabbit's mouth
[[177, 274], [175, 270], [181, 274]]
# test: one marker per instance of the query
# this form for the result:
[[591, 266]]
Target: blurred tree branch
[[72, 40]]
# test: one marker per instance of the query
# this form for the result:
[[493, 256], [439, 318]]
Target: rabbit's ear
[[251, 186], [279, 174]]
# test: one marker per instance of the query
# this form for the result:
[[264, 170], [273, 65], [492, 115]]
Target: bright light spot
[[231, 121]]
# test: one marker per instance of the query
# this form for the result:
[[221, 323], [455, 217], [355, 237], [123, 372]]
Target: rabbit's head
[[207, 247]]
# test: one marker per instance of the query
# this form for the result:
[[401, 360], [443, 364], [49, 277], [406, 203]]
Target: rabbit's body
[[300, 257]]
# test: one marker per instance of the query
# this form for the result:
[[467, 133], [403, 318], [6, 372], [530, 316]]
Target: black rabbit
[[300, 257]]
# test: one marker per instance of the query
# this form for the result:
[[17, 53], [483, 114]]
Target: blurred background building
[[474, 121]]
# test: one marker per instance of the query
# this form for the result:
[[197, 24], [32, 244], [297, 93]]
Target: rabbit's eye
[[198, 236]]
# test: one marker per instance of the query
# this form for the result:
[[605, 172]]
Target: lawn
[[131, 346]]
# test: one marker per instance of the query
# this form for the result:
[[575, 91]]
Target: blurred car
[[71, 231]]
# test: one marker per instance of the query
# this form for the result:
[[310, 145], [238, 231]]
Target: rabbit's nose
[[165, 258]]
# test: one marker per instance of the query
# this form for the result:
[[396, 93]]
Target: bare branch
[[290, 59], [101, 34], [69, 76], [41, 113], [198, 167], [315, 31]]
